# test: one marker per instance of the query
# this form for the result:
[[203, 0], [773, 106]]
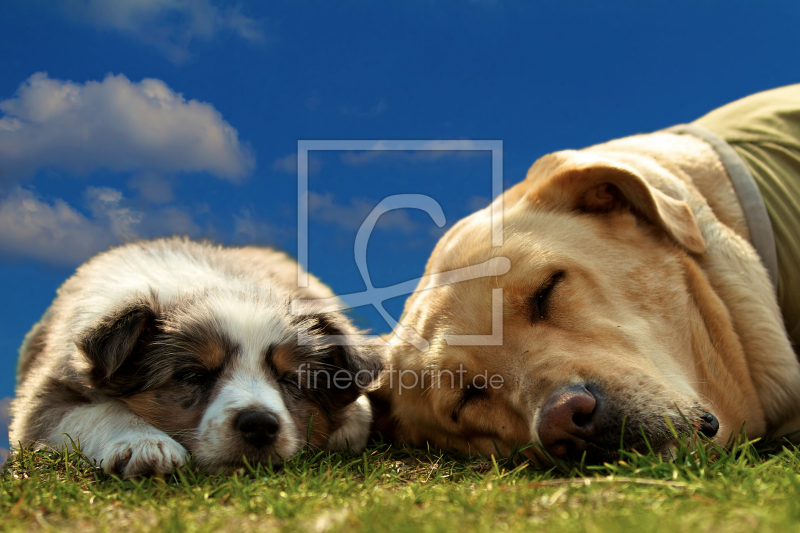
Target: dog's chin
[[659, 442], [245, 457], [596, 455], [592, 454], [248, 461]]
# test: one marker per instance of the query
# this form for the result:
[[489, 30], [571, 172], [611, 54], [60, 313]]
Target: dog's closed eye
[[539, 303], [194, 375], [470, 394]]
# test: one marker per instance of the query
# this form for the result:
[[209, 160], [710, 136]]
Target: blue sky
[[139, 118]]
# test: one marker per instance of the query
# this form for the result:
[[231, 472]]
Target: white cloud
[[118, 125], [169, 221], [413, 151], [169, 25], [153, 187], [105, 206], [249, 229], [288, 164], [323, 208], [55, 232]]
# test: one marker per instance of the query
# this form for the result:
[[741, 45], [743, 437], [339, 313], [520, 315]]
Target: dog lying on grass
[[156, 349], [639, 300]]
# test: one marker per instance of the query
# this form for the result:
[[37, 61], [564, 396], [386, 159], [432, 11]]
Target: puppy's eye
[[291, 379], [470, 394], [193, 375], [539, 303]]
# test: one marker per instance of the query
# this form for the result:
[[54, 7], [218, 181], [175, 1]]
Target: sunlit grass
[[389, 488]]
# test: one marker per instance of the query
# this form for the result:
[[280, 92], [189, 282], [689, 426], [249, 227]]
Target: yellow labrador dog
[[635, 300]]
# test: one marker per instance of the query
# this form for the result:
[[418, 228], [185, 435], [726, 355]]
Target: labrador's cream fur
[[658, 298]]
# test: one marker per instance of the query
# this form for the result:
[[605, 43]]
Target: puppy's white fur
[[154, 348], [354, 432], [115, 436]]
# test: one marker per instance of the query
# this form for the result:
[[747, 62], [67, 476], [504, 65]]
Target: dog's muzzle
[[580, 419]]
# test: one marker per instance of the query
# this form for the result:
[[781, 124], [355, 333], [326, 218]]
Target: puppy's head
[[604, 330], [223, 373]]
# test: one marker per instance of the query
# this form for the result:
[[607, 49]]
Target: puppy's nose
[[567, 421], [258, 428]]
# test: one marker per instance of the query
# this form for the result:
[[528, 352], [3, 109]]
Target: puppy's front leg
[[120, 441], [354, 430]]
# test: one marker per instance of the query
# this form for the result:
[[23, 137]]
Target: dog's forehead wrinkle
[[533, 239]]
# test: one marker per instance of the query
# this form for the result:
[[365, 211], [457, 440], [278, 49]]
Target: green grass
[[400, 489]]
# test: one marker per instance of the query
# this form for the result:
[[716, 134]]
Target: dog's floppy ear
[[585, 182], [115, 342], [363, 364]]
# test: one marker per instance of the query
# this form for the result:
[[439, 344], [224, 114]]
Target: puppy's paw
[[354, 430], [143, 454]]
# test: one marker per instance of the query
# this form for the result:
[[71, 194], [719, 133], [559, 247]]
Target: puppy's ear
[[362, 363], [588, 183], [116, 342]]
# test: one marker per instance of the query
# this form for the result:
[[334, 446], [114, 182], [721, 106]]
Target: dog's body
[[634, 297], [153, 349]]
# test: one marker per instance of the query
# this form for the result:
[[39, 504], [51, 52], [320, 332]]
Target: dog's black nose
[[567, 421], [709, 425], [258, 428]]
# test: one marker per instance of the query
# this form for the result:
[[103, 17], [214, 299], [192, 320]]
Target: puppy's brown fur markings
[[159, 348]]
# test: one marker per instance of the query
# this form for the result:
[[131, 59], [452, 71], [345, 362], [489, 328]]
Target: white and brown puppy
[[159, 348]]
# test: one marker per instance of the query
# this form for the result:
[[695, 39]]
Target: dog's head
[[224, 373], [606, 330]]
